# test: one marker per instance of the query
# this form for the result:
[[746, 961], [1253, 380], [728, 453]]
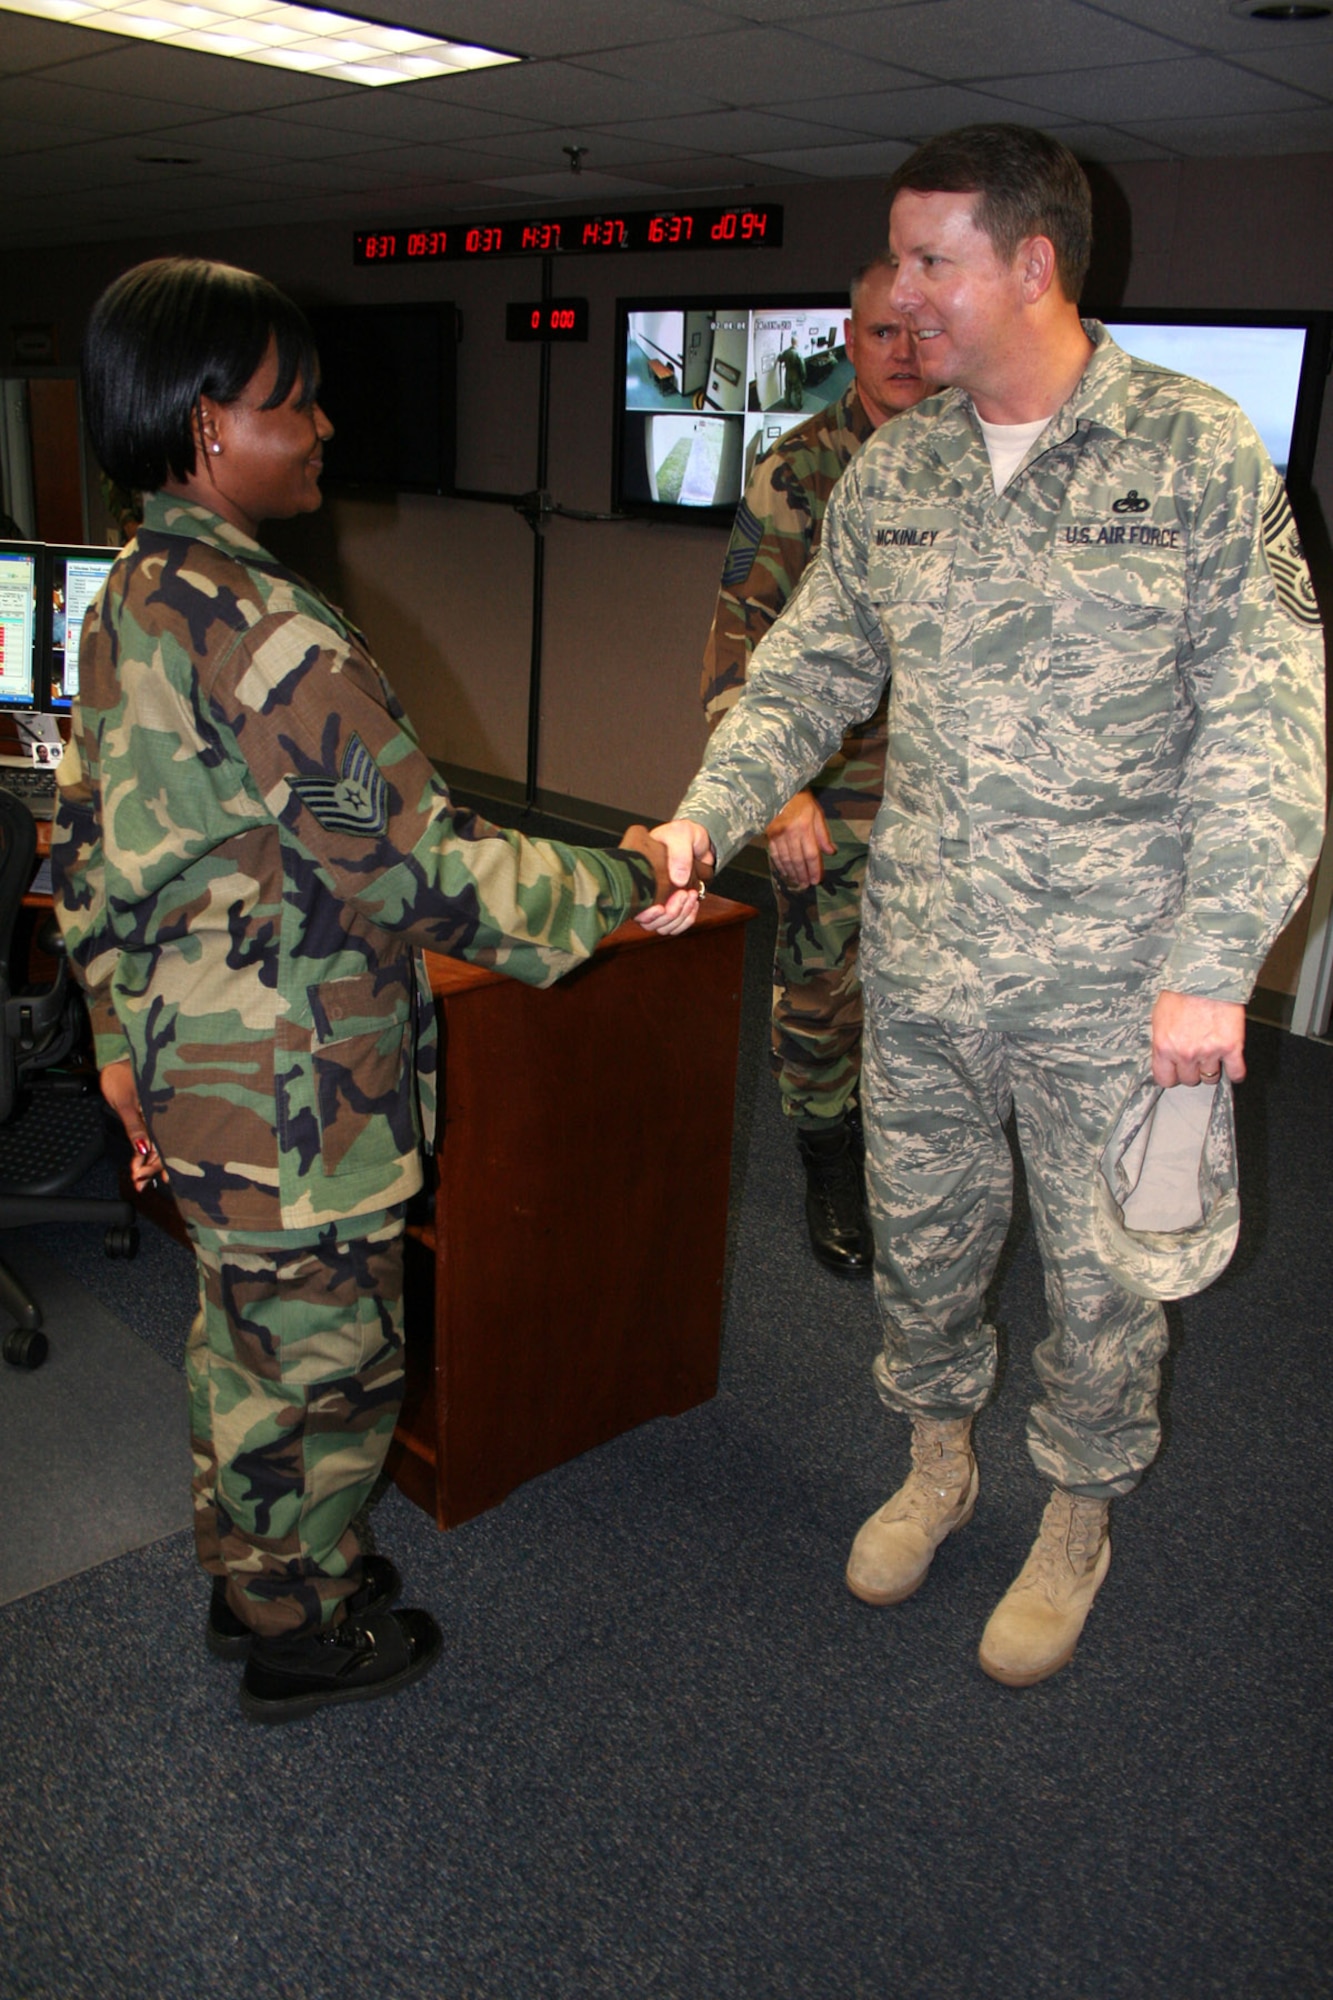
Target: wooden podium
[[570, 1286]]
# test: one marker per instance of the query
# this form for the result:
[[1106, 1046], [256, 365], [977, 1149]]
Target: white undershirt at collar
[[1008, 445]]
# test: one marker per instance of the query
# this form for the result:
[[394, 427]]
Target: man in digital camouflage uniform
[[818, 843], [1104, 794]]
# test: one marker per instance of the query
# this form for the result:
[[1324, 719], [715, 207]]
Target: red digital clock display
[[671, 229], [603, 232], [547, 319], [757, 226]]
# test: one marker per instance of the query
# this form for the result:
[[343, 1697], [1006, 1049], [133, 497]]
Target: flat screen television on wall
[[388, 385], [705, 384], [1273, 364]]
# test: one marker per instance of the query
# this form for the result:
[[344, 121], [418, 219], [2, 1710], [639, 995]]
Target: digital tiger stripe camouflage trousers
[[940, 1180], [817, 1007], [295, 1375]]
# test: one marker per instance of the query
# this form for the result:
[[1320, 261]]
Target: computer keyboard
[[35, 784]]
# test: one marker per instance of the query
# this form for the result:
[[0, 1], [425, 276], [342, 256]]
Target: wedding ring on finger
[[1209, 1075]]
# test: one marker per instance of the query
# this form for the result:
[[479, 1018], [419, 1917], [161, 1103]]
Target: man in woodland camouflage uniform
[[1104, 793], [818, 842]]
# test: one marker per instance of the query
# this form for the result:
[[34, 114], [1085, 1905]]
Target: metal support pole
[[537, 522]]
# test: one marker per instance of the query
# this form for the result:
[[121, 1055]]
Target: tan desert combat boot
[[1034, 1628], [893, 1551]]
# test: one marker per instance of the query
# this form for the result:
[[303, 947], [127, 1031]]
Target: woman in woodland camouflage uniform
[[250, 853]]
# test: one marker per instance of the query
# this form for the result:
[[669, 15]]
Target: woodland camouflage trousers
[[816, 1040], [295, 1376]]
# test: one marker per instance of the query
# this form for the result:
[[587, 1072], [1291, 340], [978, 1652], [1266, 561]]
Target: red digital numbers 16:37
[[671, 229]]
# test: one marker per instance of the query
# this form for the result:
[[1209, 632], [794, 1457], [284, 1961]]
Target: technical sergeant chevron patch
[[355, 802]]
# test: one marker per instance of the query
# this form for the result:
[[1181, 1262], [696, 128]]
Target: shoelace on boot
[[1066, 1548], [937, 1481]]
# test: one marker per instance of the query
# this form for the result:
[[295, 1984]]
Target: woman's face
[[257, 464]]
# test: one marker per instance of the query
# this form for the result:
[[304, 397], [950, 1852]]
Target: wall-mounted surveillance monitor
[[73, 578], [705, 384], [21, 569], [387, 385], [1273, 364]]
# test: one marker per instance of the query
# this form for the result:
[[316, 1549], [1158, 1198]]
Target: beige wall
[[443, 586]]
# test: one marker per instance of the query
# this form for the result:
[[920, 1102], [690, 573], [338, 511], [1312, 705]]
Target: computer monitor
[[22, 569], [704, 384], [74, 577]]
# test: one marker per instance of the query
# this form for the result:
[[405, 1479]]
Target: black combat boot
[[228, 1639], [835, 1200], [359, 1659]]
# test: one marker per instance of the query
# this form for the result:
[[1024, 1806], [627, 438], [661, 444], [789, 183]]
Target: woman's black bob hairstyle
[[167, 333]]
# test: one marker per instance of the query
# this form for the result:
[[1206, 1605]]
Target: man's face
[[881, 352], [962, 304]]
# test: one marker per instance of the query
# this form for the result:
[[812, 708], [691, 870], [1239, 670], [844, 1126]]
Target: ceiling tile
[[418, 206], [35, 135], [975, 38], [1308, 69], [337, 176], [604, 151], [752, 66], [1199, 87], [1210, 24], [800, 10], [28, 43], [401, 114], [92, 205], [182, 77], [539, 28], [859, 161], [1272, 132], [916, 114], [41, 100], [273, 138], [404, 166], [555, 186], [1110, 143], [120, 162], [718, 171], [68, 174], [732, 132], [919, 113], [556, 93]]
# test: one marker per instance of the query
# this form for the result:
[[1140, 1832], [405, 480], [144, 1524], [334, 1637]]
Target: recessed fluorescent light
[[310, 39]]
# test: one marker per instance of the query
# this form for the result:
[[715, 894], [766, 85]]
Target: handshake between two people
[[682, 858]]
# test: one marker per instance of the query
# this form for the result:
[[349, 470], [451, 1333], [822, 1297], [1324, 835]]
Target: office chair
[[52, 1126]]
